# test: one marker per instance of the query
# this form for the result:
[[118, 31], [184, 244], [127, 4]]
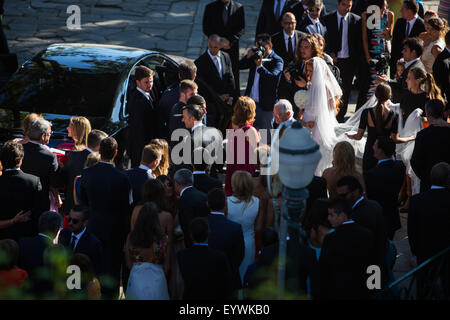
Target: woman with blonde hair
[[244, 208], [344, 164], [78, 129], [163, 167], [243, 140]]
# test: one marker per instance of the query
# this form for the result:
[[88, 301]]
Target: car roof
[[106, 58]]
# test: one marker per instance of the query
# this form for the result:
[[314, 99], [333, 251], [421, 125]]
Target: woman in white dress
[[436, 28], [244, 208], [320, 109]]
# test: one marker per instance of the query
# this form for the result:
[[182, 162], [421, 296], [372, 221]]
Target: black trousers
[[347, 68]]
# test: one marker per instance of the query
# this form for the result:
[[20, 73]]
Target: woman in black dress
[[379, 121], [421, 88]]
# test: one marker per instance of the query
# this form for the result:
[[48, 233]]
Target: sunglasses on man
[[74, 221]]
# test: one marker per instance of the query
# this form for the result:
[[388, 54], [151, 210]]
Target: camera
[[380, 65], [259, 51], [295, 71]]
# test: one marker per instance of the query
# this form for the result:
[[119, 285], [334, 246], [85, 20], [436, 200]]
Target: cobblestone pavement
[[170, 26], [174, 27]]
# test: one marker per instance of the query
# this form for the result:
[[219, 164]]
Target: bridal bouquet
[[300, 98]]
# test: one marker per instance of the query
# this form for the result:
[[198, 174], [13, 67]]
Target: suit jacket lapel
[[212, 65], [335, 24], [222, 60], [414, 27]]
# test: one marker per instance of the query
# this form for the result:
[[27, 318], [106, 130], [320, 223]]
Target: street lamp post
[[298, 155]]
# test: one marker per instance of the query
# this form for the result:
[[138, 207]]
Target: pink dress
[[238, 151]]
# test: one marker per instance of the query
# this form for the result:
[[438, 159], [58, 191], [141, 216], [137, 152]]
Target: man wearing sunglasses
[[79, 239], [311, 23]]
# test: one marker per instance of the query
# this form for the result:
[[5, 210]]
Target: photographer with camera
[[263, 79]]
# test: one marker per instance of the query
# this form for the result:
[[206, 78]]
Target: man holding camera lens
[[263, 80]]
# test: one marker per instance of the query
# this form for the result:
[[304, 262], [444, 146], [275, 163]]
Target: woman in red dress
[[243, 139]]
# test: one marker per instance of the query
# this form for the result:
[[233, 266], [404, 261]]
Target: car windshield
[[47, 86]]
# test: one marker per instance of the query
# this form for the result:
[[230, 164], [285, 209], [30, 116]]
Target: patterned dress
[[147, 280], [379, 49]]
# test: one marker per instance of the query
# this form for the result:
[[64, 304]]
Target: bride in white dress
[[319, 117], [319, 109]]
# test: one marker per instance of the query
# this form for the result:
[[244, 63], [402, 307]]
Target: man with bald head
[[226, 18], [284, 44], [214, 67], [285, 41]]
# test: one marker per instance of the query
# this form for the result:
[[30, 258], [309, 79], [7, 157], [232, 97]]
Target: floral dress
[[147, 280]]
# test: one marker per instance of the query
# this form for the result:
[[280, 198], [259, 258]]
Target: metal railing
[[428, 281]]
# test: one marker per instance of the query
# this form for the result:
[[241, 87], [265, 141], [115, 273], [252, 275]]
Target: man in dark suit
[[369, 214], [32, 249], [186, 71], [226, 236], [142, 114], [311, 23], [19, 194], [206, 272], [431, 146], [191, 204], [429, 222], [188, 88], [200, 163], [410, 25], [41, 162], [429, 216], [270, 15], [412, 50], [226, 18], [151, 157], [384, 182], [285, 41], [74, 165], [441, 70], [284, 44], [80, 240], [346, 254], [215, 68], [263, 80], [343, 44], [107, 193]]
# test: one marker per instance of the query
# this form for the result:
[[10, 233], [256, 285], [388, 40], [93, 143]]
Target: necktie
[[277, 10], [341, 26], [225, 15], [219, 67], [290, 51], [407, 29], [72, 244], [318, 28]]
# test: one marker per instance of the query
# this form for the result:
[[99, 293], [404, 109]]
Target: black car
[[93, 81]]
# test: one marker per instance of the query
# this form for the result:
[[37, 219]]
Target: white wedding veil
[[412, 125]]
